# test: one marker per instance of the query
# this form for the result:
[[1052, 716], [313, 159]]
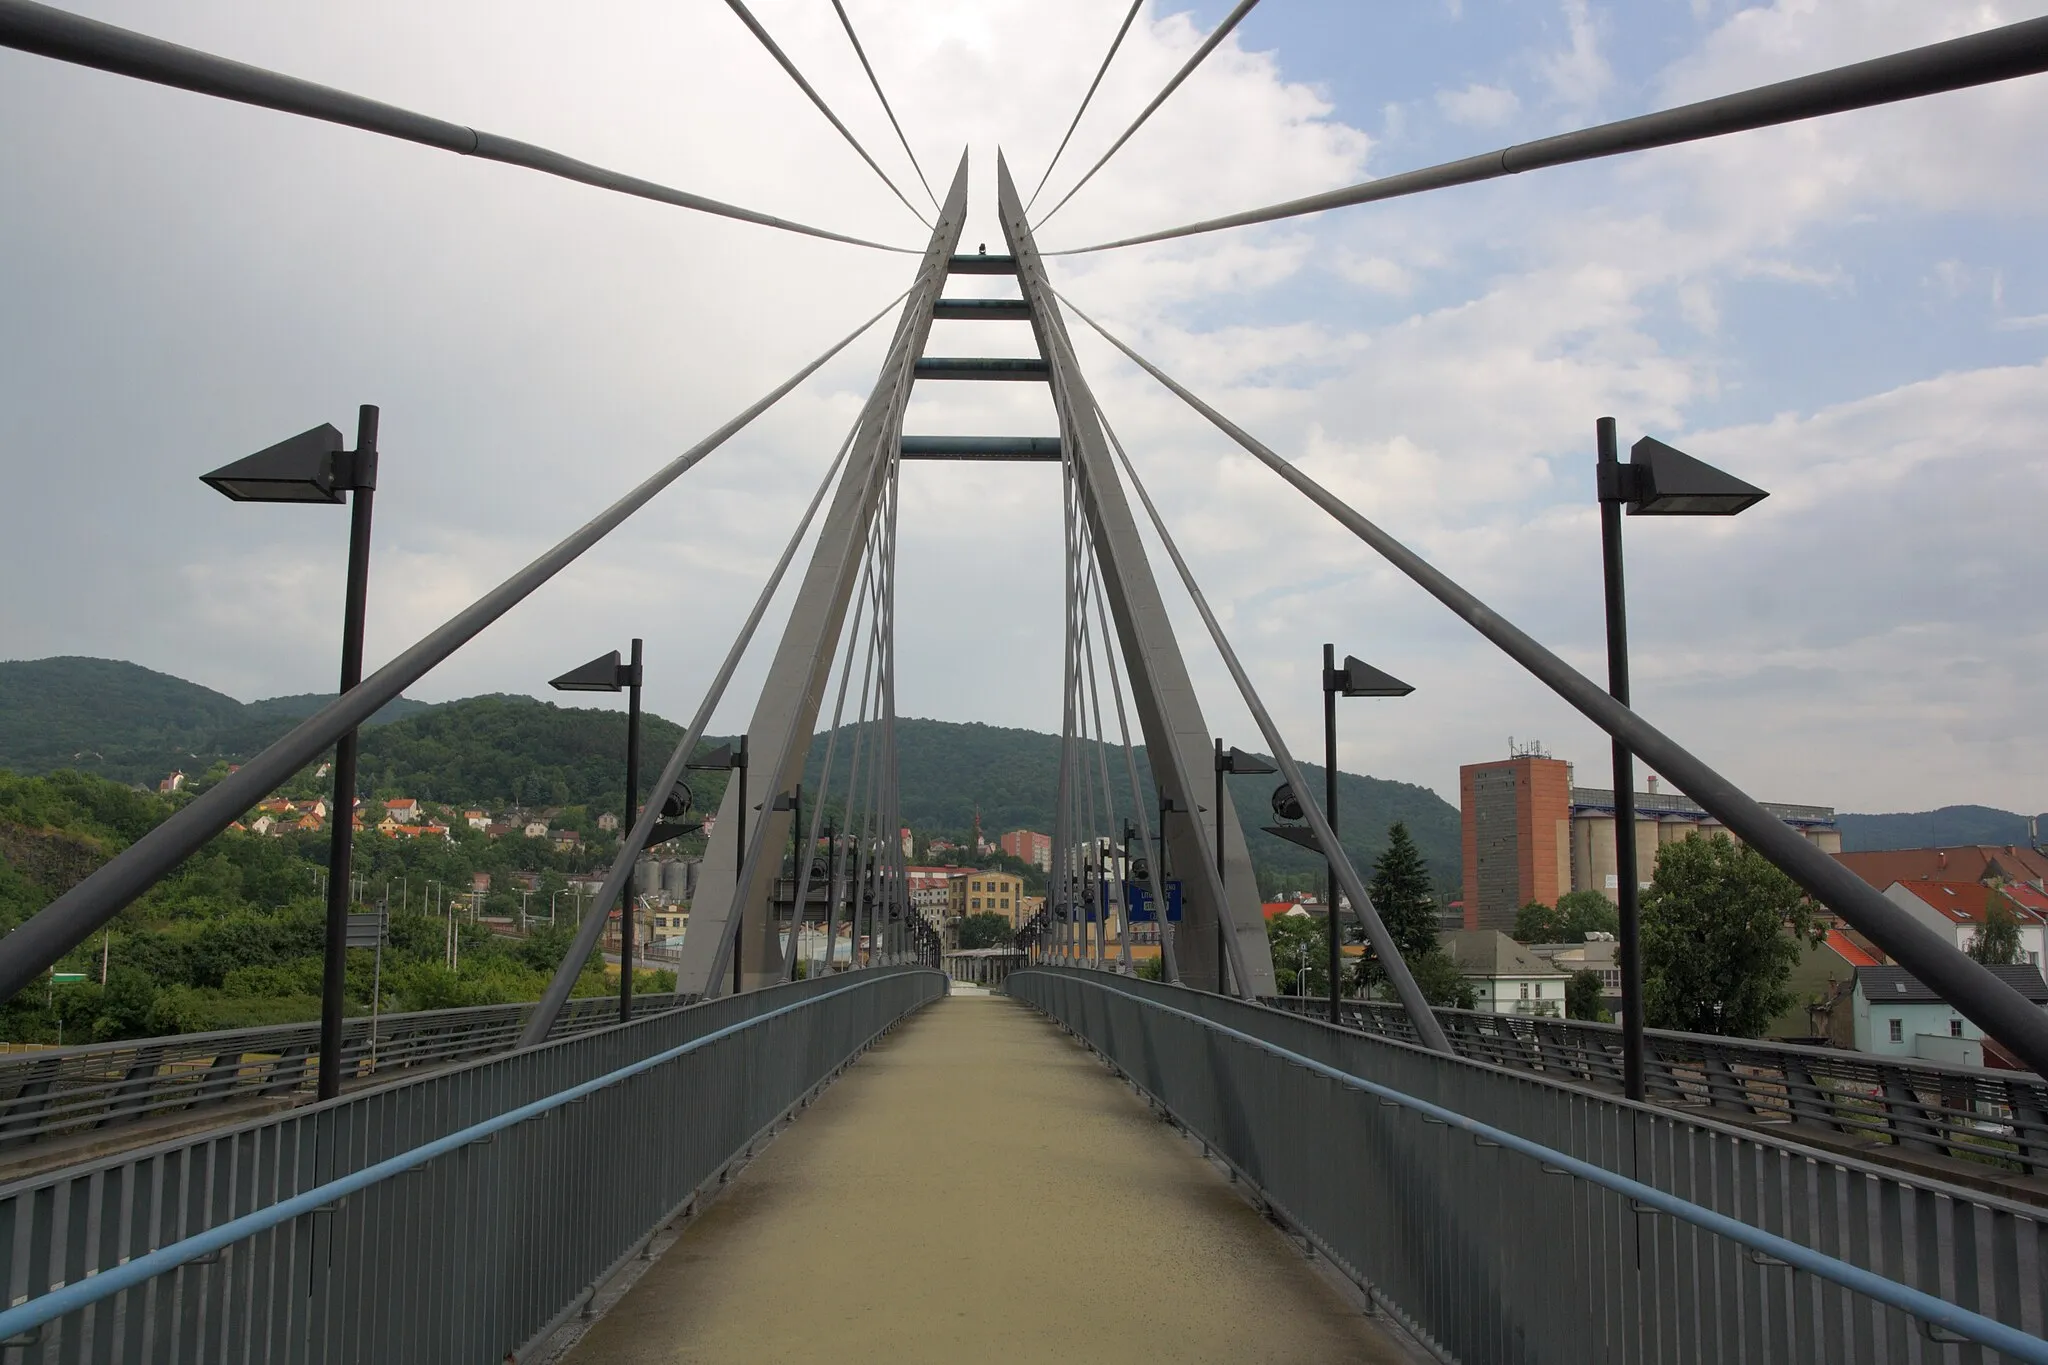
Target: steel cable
[[2001, 54], [875, 81], [1100, 71], [754, 25], [1209, 44]]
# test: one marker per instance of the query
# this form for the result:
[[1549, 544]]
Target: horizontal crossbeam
[[982, 265], [1025, 368], [983, 310], [981, 448]]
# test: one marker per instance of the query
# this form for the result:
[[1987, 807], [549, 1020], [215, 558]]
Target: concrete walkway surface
[[978, 1188]]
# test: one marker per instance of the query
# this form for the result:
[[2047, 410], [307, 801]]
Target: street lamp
[[1657, 481], [1354, 679], [732, 757], [606, 674], [312, 467], [1236, 762]]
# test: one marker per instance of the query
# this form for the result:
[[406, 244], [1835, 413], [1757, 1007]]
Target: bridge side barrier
[[1505, 1217], [103, 1085], [1996, 1118], [456, 1216]]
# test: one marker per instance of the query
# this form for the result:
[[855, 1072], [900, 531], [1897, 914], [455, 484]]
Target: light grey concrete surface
[[978, 1188]]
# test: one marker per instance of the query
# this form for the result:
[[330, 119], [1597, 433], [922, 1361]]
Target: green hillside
[[1944, 828], [130, 724]]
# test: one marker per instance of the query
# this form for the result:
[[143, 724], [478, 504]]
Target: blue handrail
[[1935, 1312], [47, 1308]]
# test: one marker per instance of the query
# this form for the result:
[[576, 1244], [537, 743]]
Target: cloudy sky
[[1851, 313]]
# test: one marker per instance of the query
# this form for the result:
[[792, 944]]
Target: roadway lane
[[978, 1187]]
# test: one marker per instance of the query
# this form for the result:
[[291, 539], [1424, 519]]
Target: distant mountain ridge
[[1948, 827], [133, 724]]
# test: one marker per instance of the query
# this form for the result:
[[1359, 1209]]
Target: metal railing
[[76, 1090], [457, 1216], [1996, 1119], [1504, 1216]]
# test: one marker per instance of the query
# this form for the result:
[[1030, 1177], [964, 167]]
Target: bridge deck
[[979, 1187]]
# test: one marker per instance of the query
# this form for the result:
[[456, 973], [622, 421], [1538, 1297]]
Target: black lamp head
[[602, 674], [1670, 483], [301, 469], [1360, 679], [1286, 804]]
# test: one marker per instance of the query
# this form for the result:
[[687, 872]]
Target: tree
[[1576, 914], [1583, 997], [1998, 943], [1721, 931], [1401, 892], [1436, 975], [985, 930], [1301, 954]]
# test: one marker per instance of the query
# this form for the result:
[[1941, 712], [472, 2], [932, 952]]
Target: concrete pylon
[[1177, 739], [779, 732]]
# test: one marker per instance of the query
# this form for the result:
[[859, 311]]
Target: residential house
[[536, 829], [566, 839], [175, 782], [277, 805], [607, 822], [404, 809], [1956, 910], [313, 824], [1508, 978], [1599, 953], [494, 830], [1895, 1015], [262, 823], [477, 819], [1963, 863], [316, 807]]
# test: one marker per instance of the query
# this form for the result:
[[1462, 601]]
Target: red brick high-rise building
[[1517, 816]]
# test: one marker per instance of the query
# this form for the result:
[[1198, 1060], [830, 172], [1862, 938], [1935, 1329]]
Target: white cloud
[[1866, 637], [1479, 106]]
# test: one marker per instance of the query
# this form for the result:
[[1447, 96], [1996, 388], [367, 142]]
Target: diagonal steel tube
[[72, 917], [55, 33], [1420, 1015], [2002, 54], [1988, 1002], [634, 841]]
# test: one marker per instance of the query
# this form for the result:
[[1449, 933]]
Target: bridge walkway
[[1044, 1210]]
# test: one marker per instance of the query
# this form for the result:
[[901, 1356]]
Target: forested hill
[[1947, 827], [122, 721], [132, 724]]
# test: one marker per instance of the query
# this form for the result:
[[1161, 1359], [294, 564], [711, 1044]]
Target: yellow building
[[982, 893]]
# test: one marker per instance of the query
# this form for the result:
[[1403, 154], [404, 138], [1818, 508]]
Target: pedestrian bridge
[[1085, 1166]]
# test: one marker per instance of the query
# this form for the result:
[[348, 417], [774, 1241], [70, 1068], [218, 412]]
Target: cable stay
[[46, 32], [1209, 44], [747, 18], [875, 81], [1100, 71], [1981, 59]]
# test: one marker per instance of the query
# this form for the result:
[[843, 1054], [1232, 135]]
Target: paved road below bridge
[[978, 1187]]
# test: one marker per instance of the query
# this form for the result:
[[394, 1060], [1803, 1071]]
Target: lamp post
[[1657, 481], [1167, 806], [312, 467], [1233, 761], [606, 674], [1355, 679]]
